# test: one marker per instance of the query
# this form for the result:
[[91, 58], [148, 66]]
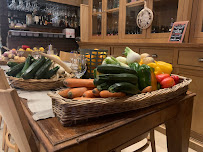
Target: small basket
[[94, 58], [73, 111], [35, 85]]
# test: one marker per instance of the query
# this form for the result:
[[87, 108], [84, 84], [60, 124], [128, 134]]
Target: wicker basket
[[34, 84], [72, 111]]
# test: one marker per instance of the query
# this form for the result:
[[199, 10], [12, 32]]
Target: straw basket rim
[[36, 84], [142, 96]]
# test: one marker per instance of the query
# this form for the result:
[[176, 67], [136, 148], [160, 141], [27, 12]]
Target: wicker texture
[[70, 111], [34, 84]]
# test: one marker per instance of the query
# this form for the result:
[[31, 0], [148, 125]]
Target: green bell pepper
[[144, 76], [135, 66]]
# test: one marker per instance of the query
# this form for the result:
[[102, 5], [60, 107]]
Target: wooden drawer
[[160, 55], [192, 58], [118, 51]]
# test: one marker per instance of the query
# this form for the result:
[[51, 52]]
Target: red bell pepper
[[24, 47], [167, 82], [161, 77], [176, 78]]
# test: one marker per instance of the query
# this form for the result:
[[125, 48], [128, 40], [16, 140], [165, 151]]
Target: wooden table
[[105, 134]]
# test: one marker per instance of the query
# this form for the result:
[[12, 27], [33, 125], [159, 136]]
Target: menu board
[[178, 32]]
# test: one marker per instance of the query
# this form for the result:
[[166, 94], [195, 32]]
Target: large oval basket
[[34, 84], [70, 111]]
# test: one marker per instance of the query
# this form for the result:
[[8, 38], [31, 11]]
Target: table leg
[[178, 128]]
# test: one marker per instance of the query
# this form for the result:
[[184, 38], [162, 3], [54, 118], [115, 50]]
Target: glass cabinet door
[[97, 6], [111, 19], [131, 10], [96, 25], [165, 14], [97, 18], [131, 19]]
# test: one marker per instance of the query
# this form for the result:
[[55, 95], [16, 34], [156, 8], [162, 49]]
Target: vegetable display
[[42, 68], [122, 76]]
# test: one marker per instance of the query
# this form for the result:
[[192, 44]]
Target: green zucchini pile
[[116, 78], [32, 69]]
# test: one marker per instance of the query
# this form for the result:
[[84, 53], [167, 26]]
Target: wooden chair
[[14, 116]]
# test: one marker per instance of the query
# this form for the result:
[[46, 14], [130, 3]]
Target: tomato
[[167, 82], [161, 77]]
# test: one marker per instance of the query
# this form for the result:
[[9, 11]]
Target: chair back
[[14, 116]]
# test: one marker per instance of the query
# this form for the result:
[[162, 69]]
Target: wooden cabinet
[[115, 20], [165, 55], [197, 22]]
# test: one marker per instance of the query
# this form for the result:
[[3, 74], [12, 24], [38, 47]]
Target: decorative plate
[[144, 18]]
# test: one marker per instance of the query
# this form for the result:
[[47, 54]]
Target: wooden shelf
[[136, 3], [112, 10]]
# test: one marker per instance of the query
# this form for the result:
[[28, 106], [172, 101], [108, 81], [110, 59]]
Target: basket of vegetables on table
[[44, 73], [120, 84]]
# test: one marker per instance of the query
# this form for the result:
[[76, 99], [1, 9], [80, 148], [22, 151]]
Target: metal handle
[[154, 55], [200, 60]]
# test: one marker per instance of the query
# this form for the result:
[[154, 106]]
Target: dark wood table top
[[55, 137]]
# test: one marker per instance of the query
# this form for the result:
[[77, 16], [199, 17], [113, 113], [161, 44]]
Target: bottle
[[171, 25], [49, 21]]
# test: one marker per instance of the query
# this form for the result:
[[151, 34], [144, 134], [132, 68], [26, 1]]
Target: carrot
[[96, 92], [72, 83], [88, 94], [64, 93], [76, 92], [106, 94], [147, 89], [83, 98]]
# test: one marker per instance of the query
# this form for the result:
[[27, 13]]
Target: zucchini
[[26, 66], [104, 86], [43, 69], [15, 70], [123, 77], [124, 87], [30, 72], [114, 69], [11, 64], [98, 81], [51, 72]]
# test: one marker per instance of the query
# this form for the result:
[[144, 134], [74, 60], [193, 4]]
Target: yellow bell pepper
[[161, 67]]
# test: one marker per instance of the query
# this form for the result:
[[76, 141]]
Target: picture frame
[[178, 32]]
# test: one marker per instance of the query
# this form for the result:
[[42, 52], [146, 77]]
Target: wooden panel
[[84, 22], [196, 86], [165, 55], [192, 58], [69, 2]]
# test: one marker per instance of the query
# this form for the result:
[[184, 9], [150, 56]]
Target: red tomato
[[161, 77], [176, 78], [167, 82]]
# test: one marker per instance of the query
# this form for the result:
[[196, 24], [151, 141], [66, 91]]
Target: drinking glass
[[21, 6], [78, 65], [13, 5]]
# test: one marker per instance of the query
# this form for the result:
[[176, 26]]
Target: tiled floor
[[159, 138]]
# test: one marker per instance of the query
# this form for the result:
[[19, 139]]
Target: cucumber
[[51, 72], [124, 87], [30, 72], [43, 69], [114, 69], [26, 66], [123, 77], [104, 86], [15, 70], [11, 64]]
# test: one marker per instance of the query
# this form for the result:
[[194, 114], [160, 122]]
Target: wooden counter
[[186, 60]]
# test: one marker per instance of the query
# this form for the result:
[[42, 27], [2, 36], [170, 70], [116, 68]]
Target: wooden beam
[[69, 2]]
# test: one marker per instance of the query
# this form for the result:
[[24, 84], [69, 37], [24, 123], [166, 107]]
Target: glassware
[[78, 65], [21, 6], [13, 5]]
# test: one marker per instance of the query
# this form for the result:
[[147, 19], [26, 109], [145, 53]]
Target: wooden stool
[[8, 143]]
